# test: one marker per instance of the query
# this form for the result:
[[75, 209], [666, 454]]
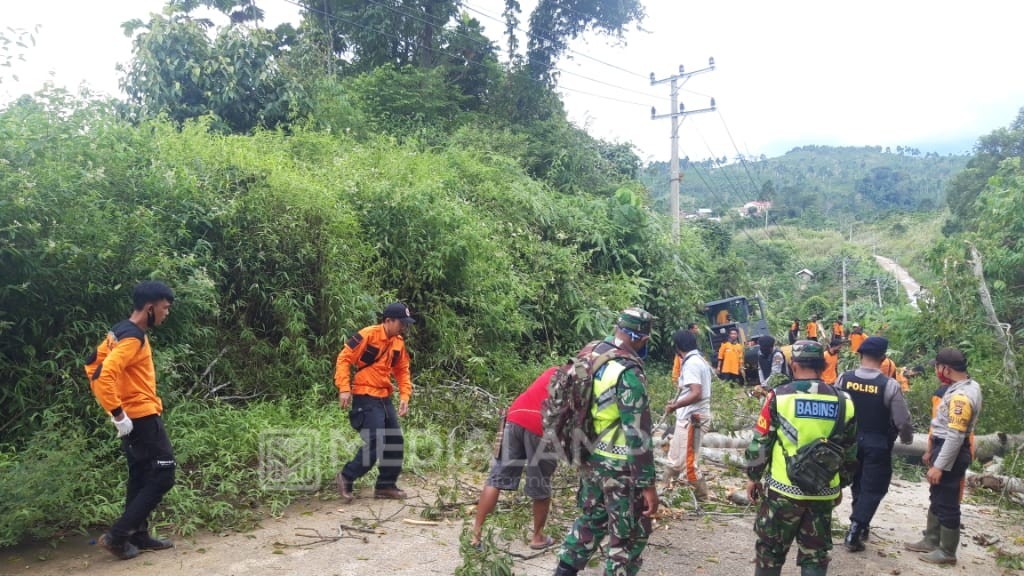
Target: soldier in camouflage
[[617, 495], [795, 415]]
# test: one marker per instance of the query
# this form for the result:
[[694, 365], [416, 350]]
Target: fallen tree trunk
[[985, 447]]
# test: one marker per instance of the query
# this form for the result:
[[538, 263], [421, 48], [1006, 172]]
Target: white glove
[[124, 425]]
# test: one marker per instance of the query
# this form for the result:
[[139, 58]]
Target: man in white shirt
[[692, 406]]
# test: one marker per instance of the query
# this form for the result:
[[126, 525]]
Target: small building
[[805, 275]]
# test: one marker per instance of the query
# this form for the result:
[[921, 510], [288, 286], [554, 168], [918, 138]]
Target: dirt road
[[693, 542], [910, 285]]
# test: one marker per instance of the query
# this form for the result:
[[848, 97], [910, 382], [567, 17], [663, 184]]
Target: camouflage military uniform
[[610, 494], [805, 518]]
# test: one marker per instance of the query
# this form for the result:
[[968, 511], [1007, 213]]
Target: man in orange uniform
[[376, 353], [123, 379], [830, 374], [857, 336], [730, 359], [812, 328], [889, 369], [838, 331]]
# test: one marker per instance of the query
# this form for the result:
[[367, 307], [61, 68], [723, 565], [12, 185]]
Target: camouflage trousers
[[612, 506], [780, 520]]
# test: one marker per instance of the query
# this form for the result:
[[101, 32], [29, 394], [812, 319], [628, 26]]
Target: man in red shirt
[[522, 446]]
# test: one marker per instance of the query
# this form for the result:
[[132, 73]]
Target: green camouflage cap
[[636, 319], [808, 350]]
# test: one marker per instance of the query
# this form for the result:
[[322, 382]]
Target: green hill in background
[[822, 181]]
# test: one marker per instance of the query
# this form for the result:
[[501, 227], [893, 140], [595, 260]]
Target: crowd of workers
[[817, 432]]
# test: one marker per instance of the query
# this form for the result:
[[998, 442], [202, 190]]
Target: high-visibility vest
[[810, 417], [611, 440]]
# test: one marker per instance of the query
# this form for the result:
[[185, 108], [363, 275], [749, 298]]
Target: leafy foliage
[[179, 70]]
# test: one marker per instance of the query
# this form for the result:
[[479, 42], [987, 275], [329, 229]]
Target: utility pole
[[677, 114], [878, 287], [844, 289]]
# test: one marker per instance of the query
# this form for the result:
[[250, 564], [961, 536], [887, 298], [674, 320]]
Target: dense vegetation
[[288, 183]]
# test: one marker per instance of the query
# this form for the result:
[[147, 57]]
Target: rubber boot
[[814, 570], [773, 571], [564, 569], [854, 540], [931, 537], [949, 541]]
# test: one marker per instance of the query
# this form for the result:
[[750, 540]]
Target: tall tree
[[367, 34], [178, 69], [554, 22]]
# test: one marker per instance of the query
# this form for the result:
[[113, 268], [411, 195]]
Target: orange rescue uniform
[[376, 359], [730, 357], [855, 341], [889, 369], [830, 374], [121, 373], [812, 330]]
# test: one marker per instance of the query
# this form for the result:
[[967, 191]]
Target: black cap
[[951, 357], [874, 346], [399, 311]]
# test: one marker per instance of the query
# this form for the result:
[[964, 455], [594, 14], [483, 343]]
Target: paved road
[[908, 282]]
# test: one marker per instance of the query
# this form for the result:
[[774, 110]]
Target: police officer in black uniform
[[882, 414]]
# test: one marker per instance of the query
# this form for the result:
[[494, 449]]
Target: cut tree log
[[985, 447]]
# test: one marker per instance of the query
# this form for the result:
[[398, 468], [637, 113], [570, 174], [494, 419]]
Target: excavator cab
[[736, 312]]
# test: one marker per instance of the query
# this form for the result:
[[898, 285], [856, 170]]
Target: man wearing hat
[[857, 337], [881, 414], [617, 494], [376, 354], [795, 415], [950, 454]]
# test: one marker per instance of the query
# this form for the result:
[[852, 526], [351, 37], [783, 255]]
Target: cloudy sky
[[931, 74]]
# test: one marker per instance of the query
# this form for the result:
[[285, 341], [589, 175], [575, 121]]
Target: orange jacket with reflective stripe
[[121, 373], [376, 359]]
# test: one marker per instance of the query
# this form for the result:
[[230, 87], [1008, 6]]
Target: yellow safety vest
[[809, 417], [611, 441]]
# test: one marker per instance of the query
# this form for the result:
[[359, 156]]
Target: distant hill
[[813, 180]]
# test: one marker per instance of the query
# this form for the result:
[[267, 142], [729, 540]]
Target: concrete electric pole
[[677, 114]]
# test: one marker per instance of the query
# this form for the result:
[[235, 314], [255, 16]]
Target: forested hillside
[[839, 183], [288, 183]]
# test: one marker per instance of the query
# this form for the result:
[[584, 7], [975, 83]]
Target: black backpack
[[816, 463]]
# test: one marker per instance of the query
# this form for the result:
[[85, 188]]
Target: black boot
[[773, 571], [121, 547], [565, 569], [854, 541], [143, 541]]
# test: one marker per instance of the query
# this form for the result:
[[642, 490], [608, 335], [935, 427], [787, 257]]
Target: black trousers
[[151, 468], [945, 496], [377, 423], [874, 473]]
